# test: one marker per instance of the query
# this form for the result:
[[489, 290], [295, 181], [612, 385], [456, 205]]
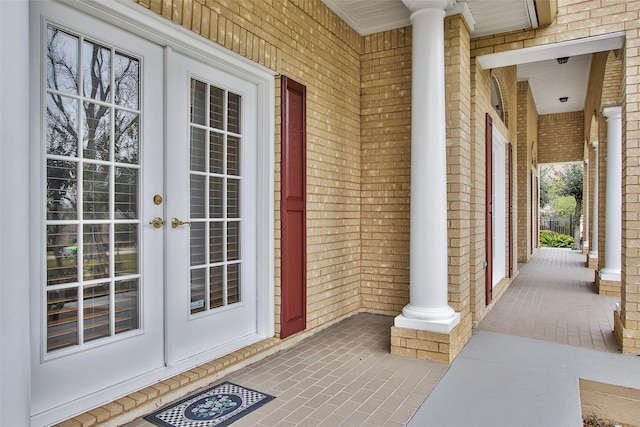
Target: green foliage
[[564, 205], [570, 181], [554, 240], [546, 182]]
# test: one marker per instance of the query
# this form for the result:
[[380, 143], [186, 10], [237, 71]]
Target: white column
[[428, 307], [613, 220], [593, 253]]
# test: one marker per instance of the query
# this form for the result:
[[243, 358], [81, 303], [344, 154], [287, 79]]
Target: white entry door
[[146, 169], [211, 202], [98, 262]]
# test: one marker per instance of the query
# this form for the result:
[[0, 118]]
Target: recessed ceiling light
[[562, 60], [564, 99]]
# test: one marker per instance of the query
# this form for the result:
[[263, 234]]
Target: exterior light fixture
[[562, 60], [564, 99]]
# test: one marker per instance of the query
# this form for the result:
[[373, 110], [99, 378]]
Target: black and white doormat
[[215, 407]]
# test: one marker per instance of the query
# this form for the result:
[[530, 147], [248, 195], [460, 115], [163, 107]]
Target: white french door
[[211, 185], [97, 316], [146, 167]]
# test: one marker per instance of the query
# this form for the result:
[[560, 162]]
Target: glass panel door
[[211, 273], [98, 285]]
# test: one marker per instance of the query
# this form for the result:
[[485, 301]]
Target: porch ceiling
[[548, 80]]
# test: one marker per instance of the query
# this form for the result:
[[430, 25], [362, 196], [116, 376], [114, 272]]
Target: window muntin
[[215, 197], [92, 258]]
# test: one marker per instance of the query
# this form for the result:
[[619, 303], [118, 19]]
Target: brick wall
[[386, 159], [527, 146], [480, 95], [459, 176], [561, 137]]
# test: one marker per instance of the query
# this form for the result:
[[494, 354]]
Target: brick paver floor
[[553, 299], [342, 376]]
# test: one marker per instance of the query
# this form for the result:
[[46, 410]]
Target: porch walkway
[[553, 299], [345, 376], [522, 368]]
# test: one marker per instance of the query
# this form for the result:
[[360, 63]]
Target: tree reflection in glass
[[92, 177]]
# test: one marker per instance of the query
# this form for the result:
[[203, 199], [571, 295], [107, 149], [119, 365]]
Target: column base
[[421, 344], [628, 339], [608, 282], [592, 260], [441, 320], [585, 247]]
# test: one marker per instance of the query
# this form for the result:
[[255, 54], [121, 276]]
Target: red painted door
[[293, 209], [488, 209]]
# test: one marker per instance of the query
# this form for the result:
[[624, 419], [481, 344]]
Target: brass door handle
[[175, 222], [157, 222]]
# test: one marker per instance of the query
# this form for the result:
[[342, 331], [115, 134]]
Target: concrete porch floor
[[345, 376]]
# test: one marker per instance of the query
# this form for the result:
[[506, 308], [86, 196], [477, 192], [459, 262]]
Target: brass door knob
[[175, 222], [157, 222]]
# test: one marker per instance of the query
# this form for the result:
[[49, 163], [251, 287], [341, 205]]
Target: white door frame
[[146, 24], [499, 207], [15, 356]]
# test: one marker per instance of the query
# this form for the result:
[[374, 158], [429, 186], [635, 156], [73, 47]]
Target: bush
[[554, 240]]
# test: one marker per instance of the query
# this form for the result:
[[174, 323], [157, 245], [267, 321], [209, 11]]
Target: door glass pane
[[126, 249], [95, 251], [216, 153], [198, 149], [96, 312], [95, 191], [62, 254], [126, 137], [198, 102], [97, 131], [234, 112], [62, 189], [233, 283], [215, 192], [62, 318], [217, 286], [126, 70], [198, 191], [92, 191], [62, 61], [198, 290], [62, 125], [126, 193], [198, 242], [127, 305], [96, 71], [216, 243], [216, 108]]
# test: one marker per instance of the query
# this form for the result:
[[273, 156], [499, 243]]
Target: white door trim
[[499, 207], [15, 360]]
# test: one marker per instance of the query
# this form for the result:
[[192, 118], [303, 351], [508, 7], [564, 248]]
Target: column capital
[[417, 5], [594, 144], [612, 113]]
